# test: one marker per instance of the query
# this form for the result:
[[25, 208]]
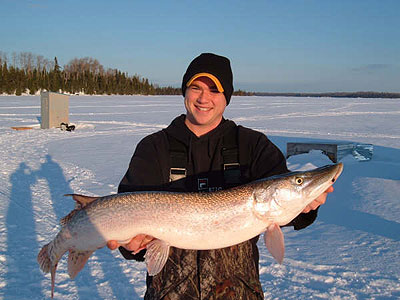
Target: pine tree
[[1, 79], [55, 78]]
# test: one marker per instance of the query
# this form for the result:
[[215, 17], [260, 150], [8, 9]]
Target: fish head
[[281, 198]]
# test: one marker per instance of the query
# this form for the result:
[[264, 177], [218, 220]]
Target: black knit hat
[[215, 67]]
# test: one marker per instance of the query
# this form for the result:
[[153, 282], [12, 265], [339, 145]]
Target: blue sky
[[276, 46]]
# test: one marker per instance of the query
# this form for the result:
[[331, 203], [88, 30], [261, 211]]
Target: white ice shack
[[54, 109]]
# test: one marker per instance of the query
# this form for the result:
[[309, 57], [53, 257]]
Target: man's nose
[[203, 96]]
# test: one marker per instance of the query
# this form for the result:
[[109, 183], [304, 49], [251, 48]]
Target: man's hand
[[318, 201], [135, 245]]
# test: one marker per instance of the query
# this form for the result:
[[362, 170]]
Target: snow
[[352, 251]]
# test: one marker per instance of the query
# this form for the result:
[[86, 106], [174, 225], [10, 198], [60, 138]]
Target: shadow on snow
[[385, 164], [23, 274]]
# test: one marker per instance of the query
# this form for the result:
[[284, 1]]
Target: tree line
[[28, 73]]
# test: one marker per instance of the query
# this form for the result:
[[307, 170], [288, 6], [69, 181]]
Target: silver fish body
[[186, 220]]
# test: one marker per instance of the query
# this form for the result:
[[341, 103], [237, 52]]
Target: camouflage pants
[[229, 273]]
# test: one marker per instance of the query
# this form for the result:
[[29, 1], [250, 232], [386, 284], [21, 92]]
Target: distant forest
[[29, 73]]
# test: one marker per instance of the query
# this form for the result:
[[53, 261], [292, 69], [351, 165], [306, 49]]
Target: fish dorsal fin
[[76, 261], [80, 202], [156, 256], [274, 240]]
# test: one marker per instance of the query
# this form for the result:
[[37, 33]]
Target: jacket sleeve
[[268, 160], [144, 173]]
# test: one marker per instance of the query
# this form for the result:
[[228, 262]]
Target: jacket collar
[[181, 132]]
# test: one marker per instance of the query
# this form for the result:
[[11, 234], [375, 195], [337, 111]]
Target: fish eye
[[299, 180]]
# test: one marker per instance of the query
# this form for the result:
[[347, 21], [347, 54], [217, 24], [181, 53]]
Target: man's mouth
[[203, 108]]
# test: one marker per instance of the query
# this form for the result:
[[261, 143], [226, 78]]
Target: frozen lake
[[352, 251]]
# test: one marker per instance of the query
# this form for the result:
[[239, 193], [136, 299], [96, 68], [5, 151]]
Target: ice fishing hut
[[334, 150], [54, 109]]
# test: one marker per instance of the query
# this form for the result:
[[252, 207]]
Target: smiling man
[[203, 152], [204, 105], [207, 88]]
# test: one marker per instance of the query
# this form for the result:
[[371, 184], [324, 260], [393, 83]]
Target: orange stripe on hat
[[211, 76]]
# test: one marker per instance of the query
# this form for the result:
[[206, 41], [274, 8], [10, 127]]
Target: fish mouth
[[339, 169], [329, 171], [326, 176]]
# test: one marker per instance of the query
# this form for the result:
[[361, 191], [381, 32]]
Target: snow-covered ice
[[352, 251]]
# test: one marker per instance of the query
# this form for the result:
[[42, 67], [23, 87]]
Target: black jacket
[[203, 273]]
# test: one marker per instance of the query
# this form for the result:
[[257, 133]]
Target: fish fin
[[53, 279], [80, 202], [47, 265], [274, 240], [76, 261], [156, 256], [44, 260]]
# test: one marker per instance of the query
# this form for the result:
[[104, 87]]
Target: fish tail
[[44, 260], [48, 263]]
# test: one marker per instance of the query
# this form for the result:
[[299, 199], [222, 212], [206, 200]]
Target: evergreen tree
[[33, 82], [1, 79], [11, 80], [55, 79]]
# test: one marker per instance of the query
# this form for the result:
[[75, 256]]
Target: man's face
[[204, 106]]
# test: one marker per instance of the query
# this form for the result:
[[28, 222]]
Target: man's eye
[[214, 91]]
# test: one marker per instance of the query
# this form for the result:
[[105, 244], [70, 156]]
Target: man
[[202, 151]]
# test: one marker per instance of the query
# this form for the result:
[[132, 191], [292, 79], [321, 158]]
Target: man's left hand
[[318, 201]]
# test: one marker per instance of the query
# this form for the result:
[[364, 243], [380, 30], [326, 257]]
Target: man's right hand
[[135, 245]]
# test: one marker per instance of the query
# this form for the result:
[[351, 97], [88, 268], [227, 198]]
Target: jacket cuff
[[129, 255], [304, 219]]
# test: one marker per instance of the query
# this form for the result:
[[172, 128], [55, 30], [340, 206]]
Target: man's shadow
[[21, 226], [85, 281], [22, 247]]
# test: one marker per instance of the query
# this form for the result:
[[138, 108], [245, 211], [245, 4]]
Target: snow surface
[[352, 251]]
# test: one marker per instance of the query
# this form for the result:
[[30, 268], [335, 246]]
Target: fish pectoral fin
[[76, 261], [156, 256], [274, 240]]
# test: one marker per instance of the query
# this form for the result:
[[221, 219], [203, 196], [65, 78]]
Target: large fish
[[185, 220]]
